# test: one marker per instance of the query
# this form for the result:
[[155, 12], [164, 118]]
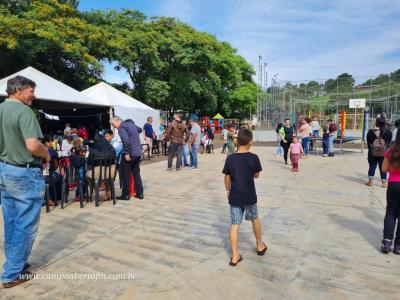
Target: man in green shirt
[[21, 180]]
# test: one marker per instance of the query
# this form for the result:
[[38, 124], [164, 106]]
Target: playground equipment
[[218, 122]]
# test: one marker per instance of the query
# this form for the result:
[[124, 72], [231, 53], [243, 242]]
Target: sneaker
[[386, 246], [396, 249], [193, 169], [324, 155], [178, 170], [169, 169], [331, 155]]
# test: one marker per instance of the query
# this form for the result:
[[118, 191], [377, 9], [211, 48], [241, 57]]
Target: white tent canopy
[[125, 106], [50, 89]]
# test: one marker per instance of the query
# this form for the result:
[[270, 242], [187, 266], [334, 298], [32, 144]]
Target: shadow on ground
[[367, 231], [60, 239]]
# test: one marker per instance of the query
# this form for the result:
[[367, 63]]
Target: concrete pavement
[[322, 225]]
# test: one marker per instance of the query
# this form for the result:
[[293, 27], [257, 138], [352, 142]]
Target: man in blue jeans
[[21, 180], [194, 142]]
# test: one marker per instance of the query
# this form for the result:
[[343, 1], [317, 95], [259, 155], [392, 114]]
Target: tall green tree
[[52, 37], [171, 65]]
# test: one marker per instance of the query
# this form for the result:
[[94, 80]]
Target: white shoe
[[193, 169]]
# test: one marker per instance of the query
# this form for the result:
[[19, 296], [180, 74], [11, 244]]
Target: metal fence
[[279, 101]]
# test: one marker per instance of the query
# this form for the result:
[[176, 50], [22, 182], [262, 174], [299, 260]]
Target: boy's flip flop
[[262, 252], [234, 264]]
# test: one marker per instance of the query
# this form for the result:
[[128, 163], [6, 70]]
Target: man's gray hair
[[18, 83], [116, 118]]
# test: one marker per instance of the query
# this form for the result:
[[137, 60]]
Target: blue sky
[[299, 40]]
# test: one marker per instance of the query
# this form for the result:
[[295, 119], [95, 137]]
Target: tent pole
[[111, 113]]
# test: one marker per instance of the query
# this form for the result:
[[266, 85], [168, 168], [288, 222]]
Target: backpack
[[378, 147]]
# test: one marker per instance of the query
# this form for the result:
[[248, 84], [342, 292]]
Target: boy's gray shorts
[[237, 212]]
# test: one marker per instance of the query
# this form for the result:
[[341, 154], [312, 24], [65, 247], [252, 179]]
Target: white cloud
[[298, 33], [310, 33]]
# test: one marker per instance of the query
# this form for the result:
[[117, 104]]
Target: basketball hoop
[[357, 103]]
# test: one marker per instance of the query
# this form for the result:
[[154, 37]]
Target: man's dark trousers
[[134, 166], [124, 176], [177, 149]]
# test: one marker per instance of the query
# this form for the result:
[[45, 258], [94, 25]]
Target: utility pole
[[265, 93], [305, 100], [291, 103], [274, 102], [266, 76], [260, 74], [388, 101], [337, 99], [320, 100]]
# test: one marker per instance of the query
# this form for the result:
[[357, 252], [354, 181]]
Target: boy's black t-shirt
[[241, 168]]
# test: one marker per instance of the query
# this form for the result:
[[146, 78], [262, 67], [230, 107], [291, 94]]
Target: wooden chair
[[164, 147], [155, 147], [210, 146], [104, 170], [49, 182], [71, 177], [145, 149]]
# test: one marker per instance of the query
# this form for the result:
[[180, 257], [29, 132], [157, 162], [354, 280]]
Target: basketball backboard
[[357, 103]]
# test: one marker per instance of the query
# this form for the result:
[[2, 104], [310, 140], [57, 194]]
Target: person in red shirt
[[83, 133], [391, 164]]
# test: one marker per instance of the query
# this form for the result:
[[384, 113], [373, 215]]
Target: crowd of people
[[383, 142], [288, 139], [27, 157]]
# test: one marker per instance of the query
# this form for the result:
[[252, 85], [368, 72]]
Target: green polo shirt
[[17, 123]]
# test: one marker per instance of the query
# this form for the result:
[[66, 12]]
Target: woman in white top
[[315, 127]]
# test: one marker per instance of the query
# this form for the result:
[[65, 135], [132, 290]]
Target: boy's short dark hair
[[244, 136], [380, 122], [110, 132]]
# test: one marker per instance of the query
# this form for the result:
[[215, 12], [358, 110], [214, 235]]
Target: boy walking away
[[240, 170], [295, 150], [391, 164], [325, 141]]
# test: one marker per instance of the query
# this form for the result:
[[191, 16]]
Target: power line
[[334, 66]]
